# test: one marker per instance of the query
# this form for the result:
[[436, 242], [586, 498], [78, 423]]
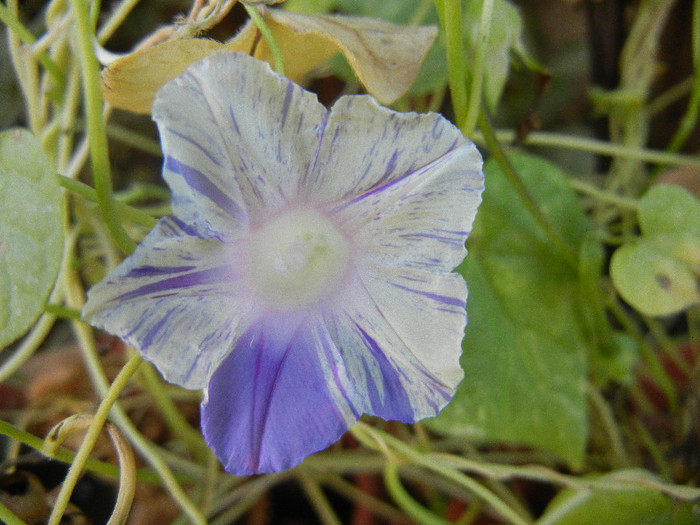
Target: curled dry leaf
[[131, 82], [386, 57]]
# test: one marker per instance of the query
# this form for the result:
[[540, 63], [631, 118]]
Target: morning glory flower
[[306, 277]]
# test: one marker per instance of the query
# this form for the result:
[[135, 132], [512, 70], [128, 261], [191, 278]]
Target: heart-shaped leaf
[[659, 273], [524, 354], [30, 232]]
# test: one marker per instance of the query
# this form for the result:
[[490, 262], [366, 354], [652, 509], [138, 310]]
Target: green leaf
[[619, 506], [659, 273], [30, 232], [667, 208], [524, 355]]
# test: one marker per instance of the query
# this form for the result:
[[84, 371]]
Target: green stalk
[[96, 127], [140, 443], [179, 426], [599, 147], [403, 499], [596, 193], [126, 211], [65, 455], [90, 439], [61, 312], [115, 20], [319, 501], [450, 13], [610, 427], [388, 444], [516, 182], [477, 80], [14, 25], [649, 355], [8, 517], [266, 33]]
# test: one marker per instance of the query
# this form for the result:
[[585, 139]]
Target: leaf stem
[[388, 444], [319, 501], [599, 147], [529, 202], [115, 20], [656, 368], [26, 37], [8, 517], [85, 191], [96, 127], [620, 201], [266, 33], [67, 456], [617, 448], [450, 13], [62, 312], [477, 77], [173, 417], [403, 499], [90, 439]]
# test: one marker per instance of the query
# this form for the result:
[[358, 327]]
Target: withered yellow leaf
[[301, 52], [386, 57], [131, 82]]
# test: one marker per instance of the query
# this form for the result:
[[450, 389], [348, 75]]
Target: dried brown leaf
[[386, 57]]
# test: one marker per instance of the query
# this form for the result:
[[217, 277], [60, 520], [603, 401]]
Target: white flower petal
[[236, 139], [175, 300], [409, 236], [378, 373], [426, 312], [366, 145]]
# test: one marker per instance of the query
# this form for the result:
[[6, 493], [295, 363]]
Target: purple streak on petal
[[268, 405], [233, 120], [287, 100], [153, 271], [457, 240], [199, 182], [211, 276], [452, 232], [454, 301], [314, 161], [195, 363], [391, 166], [196, 144], [174, 227], [155, 329], [436, 131], [382, 187], [388, 399]]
